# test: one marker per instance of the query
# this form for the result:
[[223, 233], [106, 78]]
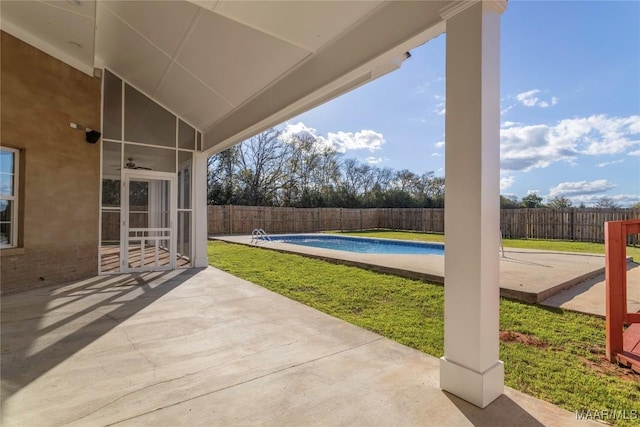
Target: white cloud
[[581, 188], [602, 134], [506, 109], [441, 109], [506, 182], [365, 139], [422, 88], [299, 128], [533, 192], [618, 199], [603, 164], [436, 155], [537, 146], [509, 124], [528, 98], [531, 98], [634, 153], [374, 160], [439, 144]]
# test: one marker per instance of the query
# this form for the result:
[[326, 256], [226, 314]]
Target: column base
[[478, 388], [201, 262]]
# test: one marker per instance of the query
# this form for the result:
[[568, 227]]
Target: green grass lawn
[[549, 245], [551, 354]]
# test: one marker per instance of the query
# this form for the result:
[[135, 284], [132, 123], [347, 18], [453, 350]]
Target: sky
[[570, 105]]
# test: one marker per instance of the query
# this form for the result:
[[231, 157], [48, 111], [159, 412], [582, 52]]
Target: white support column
[[470, 367], [200, 210]]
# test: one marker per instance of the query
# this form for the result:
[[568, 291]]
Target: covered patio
[[202, 347], [177, 81]]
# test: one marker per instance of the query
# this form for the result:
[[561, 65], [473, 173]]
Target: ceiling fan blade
[[143, 168]]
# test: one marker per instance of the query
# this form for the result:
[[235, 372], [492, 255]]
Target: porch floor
[[630, 357], [202, 347], [110, 258]]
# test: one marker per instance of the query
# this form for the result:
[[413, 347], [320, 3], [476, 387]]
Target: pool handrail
[[259, 234]]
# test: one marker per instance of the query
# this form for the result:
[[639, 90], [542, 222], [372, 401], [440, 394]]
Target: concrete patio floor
[[202, 347], [525, 274], [590, 296]]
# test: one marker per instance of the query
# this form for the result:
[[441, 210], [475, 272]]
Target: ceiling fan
[[131, 165]]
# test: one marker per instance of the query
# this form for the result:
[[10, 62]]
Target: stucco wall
[[60, 171]]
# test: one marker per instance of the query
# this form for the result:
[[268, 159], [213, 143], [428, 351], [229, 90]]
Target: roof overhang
[[231, 69]]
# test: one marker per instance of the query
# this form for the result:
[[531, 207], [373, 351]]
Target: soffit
[[204, 59], [307, 24], [63, 29], [227, 65]]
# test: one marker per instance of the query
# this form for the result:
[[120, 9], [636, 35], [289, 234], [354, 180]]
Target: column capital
[[458, 6]]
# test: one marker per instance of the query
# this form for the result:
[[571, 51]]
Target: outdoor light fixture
[[91, 136]]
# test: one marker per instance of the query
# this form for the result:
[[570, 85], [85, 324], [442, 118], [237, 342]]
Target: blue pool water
[[362, 245]]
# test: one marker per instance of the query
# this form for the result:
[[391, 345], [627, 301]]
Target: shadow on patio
[[44, 327], [202, 347]]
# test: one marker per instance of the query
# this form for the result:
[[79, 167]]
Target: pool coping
[[526, 275]]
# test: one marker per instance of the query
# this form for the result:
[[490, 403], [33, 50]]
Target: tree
[[261, 162], [303, 171], [434, 190], [406, 180], [560, 202], [509, 202], [606, 203], [326, 175], [383, 178], [221, 174], [636, 205], [532, 201], [111, 192], [350, 183]]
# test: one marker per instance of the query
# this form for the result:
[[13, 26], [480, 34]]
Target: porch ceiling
[[230, 68]]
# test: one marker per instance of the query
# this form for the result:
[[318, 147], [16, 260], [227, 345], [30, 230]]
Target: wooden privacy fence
[[582, 225], [585, 225]]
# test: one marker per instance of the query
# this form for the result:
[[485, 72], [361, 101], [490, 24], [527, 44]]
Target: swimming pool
[[361, 245]]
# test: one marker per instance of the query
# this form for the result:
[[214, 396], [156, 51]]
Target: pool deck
[[527, 275]]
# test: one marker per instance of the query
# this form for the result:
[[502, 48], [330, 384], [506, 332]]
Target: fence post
[[230, 211]]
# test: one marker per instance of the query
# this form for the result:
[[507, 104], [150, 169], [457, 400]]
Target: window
[[9, 162]]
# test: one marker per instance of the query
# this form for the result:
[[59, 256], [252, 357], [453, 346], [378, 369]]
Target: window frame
[[15, 199]]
